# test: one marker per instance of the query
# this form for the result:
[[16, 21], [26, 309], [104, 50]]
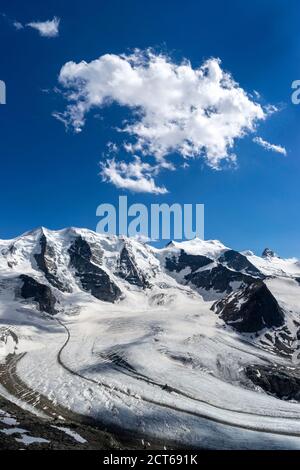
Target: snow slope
[[157, 359]]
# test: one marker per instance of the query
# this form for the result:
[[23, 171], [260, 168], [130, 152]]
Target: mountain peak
[[268, 253]]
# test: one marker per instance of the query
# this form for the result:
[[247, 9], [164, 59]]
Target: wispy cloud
[[135, 176], [268, 146], [18, 25], [175, 107], [49, 28]]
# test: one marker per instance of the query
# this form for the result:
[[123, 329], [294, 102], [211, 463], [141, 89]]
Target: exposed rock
[[161, 299], [267, 253], [46, 262], [219, 279], [282, 382], [250, 309], [194, 262], [217, 276], [40, 293], [235, 260], [92, 278], [53, 432], [281, 341], [128, 269]]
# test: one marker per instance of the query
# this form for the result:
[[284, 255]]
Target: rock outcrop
[[250, 309], [92, 278], [128, 269], [46, 262], [235, 260], [40, 293], [282, 382]]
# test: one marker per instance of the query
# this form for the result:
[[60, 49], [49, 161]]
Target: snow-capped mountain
[[194, 343]]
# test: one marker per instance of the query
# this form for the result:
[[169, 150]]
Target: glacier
[[195, 343]]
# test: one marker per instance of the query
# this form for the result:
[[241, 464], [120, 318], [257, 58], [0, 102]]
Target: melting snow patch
[[71, 433], [11, 431], [9, 421], [27, 440]]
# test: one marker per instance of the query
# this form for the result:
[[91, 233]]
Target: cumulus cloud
[[175, 108], [136, 176], [49, 28], [268, 146]]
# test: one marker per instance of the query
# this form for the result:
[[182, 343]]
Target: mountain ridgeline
[[46, 268]]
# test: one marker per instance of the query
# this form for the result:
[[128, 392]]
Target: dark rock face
[[218, 278], [251, 309], [40, 293], [46, 263], [239, 262], [93, 279], [55, 437], [184, 260], [267, 253], [281, 341], [129, 271], [282, 382]]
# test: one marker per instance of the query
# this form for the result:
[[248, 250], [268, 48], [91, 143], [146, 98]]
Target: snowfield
[[158, 360]]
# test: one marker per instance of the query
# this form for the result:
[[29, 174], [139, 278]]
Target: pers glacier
[[194, 343]]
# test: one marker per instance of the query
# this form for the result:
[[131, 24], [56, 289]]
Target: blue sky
[[50, 177]]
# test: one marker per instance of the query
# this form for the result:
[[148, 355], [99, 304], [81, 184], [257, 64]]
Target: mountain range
[[195, 343]]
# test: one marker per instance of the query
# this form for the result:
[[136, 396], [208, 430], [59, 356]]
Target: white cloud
[[18, 25], [135, 176], [268, 146], [175, 108], [49, 28]]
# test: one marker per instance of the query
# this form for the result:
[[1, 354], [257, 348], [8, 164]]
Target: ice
[[71, 433], [27, 440], [9, 421], [11, 431], [168, 369]]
